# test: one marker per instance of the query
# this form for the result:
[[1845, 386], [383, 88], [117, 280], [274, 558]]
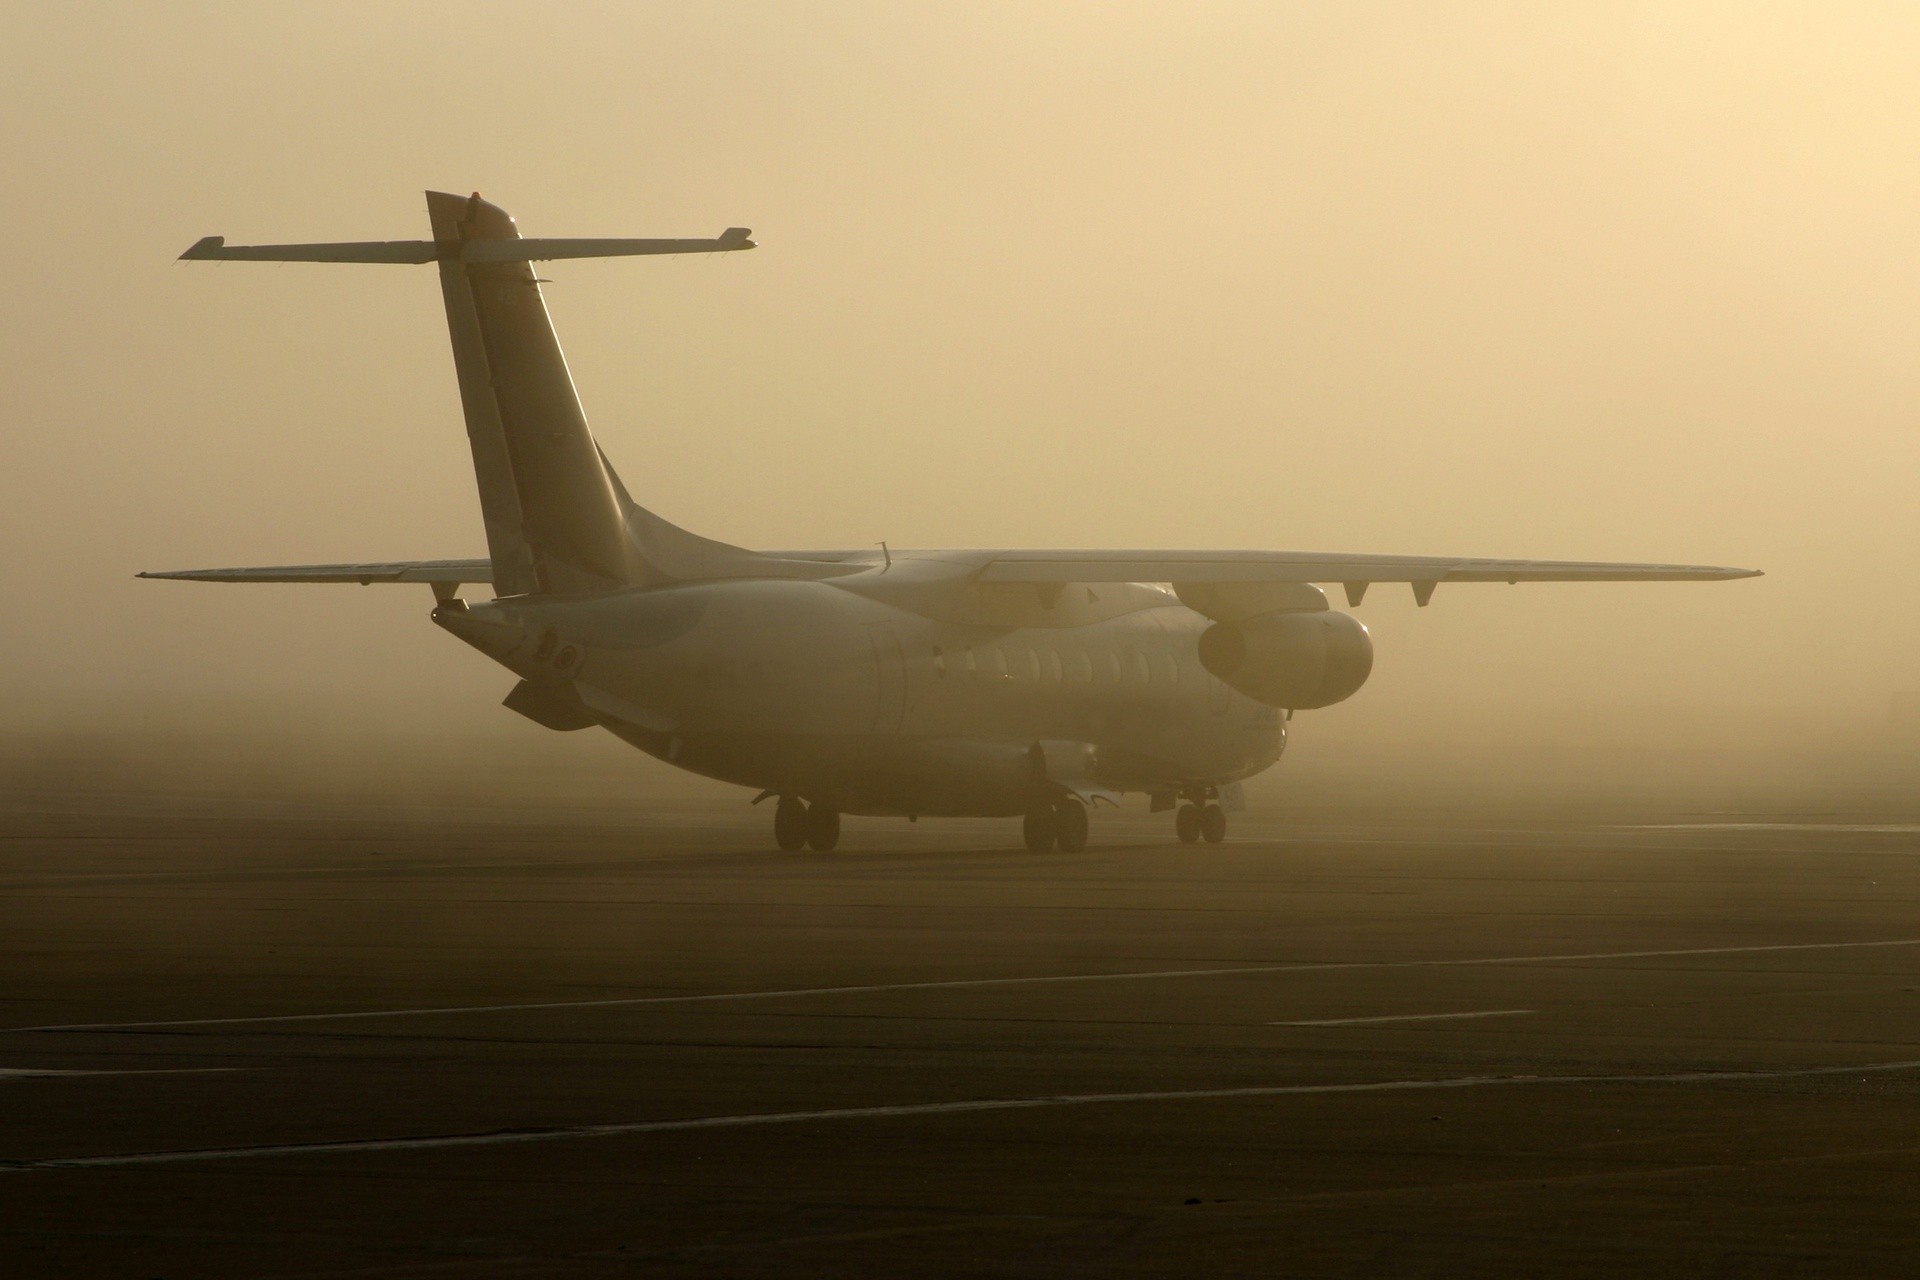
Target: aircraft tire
[[823, 827], [1070, 823], [1040, 828], [790, 824], [1186, 823], [1213, 824]]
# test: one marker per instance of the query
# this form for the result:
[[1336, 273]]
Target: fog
[[1609, 282]]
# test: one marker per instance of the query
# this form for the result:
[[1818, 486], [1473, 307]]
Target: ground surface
[[1694, 1050]]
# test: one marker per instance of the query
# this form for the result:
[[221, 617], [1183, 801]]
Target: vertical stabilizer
[[554, 521]]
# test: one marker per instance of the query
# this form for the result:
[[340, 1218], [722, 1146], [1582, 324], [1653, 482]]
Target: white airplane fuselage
[[843, 692]]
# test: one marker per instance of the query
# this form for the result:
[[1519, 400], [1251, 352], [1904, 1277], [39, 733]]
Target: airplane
[[1005, 683]]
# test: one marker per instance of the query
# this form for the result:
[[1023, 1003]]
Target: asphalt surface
[[260, 1043]]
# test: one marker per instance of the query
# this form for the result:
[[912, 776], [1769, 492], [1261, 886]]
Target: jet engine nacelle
[[1294, 660]]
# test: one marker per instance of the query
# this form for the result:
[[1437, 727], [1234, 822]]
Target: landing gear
[[1040, 828], [798, 825], [1200, 819], [790, 823], [823, 826], [1061, 825], [1070, 825]]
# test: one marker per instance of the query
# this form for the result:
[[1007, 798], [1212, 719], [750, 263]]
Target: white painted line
[[506, 1137], [1403, 1017], [1868, 828], [954, 984], [38, 1073]]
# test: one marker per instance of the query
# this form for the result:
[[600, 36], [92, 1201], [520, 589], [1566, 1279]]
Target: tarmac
[[269, 1042]]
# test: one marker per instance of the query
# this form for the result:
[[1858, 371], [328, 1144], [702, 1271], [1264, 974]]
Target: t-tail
[[558, 520]]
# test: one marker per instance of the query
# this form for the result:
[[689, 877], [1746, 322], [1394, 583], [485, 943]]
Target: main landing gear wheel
[[1041, 827], [823, 827], [1213, 824], [1070, 825], [1186, 823], [790, 823]]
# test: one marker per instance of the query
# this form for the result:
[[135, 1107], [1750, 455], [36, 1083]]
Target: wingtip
[[204, 247]]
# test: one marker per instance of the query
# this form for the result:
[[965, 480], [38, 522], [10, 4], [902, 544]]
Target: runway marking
[[36, 1073], [504, 1137], [1867, 828], [954, 984], [1402, 1017]]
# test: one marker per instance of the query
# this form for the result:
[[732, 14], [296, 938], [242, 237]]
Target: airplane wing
[[454, 571], [1316, 566], [1354, 572], [1275, 566]]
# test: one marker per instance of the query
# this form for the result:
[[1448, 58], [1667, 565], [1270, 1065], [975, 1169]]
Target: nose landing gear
[[1199, 818]]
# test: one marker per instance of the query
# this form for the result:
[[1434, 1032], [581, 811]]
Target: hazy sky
[[1613, 281]]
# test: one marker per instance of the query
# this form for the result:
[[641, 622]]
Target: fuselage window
[[1142, 669], [1053, 665], [1082, 669], [997, 663], [939, 663], [966, 661], [1033, 665], [1113, 665], [1172, 668]]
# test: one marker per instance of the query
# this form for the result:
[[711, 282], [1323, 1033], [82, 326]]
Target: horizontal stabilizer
[[442, 571], [216, 249], [538, 249]]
